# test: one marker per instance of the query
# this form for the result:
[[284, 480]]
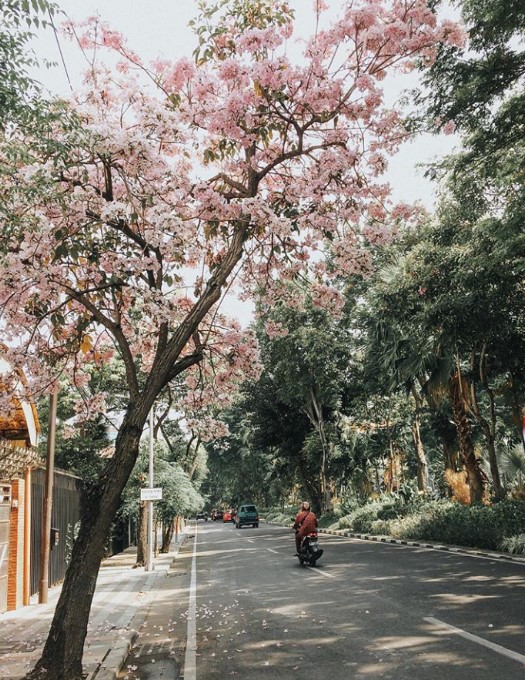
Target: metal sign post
[[149, 559]]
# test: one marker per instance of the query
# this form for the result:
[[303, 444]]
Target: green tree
[[450, 308], [18, 90], [480, 87], [179, 494], [308, 362]]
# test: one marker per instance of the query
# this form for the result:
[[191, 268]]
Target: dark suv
[[247, 514]]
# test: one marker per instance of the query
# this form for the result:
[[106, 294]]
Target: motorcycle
[[310, 551]]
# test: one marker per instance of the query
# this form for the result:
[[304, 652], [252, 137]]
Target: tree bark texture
[[466, 444], [167, 536], [314, 411], [422, 464], [488, 425], [142, 534], [421, 457]]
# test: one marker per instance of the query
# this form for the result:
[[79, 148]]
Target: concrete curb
[[419, 544], [434, 546], [114, 660]]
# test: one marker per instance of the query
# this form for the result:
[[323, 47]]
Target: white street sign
[[151, 494]]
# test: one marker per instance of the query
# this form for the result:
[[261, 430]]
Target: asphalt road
[[239, 605]]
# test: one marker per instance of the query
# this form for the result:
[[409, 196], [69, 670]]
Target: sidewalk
[[120, 604]]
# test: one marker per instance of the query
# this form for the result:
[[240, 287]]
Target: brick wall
[[15, 578]]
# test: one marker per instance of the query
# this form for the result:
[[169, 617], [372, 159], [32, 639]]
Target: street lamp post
[[149, 559]]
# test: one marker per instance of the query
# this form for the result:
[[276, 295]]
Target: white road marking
[[259, 536], [271, 550], [190, 659], [320, 571], [250, 540], [478, 640]]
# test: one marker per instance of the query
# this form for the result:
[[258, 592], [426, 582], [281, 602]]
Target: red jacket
[[299, 519], [305, 522]]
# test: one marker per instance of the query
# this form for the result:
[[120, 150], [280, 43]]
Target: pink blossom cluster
[[247, 163]]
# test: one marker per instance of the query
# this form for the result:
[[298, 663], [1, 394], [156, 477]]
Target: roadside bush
[[277, 515], [360, 520], [400, 527], [476, 526], [329, 521], [514, 544], [388, 511], [382, 527], [494, 527]]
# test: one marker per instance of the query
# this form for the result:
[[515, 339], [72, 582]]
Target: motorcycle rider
[[305, 522]]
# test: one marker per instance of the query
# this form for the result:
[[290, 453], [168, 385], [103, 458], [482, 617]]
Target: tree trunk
[[450, 455], [451, 461], [314, 411], [489, 426], [422, 464], [445, 430], [167, 536], [466, 445], [499, 491], [142, 534], [489, 432], [62, 655], [421, 457], [312, 487], [518, 412]]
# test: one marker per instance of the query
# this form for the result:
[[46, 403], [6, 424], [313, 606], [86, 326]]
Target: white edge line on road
[[320, 571], [478, 640], [271, 550], [190, 659]]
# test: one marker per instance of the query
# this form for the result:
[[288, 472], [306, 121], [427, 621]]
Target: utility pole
[[149, 559], [45, 545]]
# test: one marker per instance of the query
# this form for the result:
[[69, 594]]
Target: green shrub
[[278, 516], [329, 521], [514, 544], [494, 527], [382, 527], [388, 511], [477, 526], [360, 520]]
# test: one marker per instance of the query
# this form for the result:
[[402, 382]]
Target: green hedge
[[485, 527], [477, 526]]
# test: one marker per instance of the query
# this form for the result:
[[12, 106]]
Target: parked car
[[227, 515], [216, 514], [247, 514]]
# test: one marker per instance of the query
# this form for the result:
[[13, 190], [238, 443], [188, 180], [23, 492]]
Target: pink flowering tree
[[156, 187]]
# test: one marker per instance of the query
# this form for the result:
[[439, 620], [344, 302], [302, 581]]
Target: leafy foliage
[[17, 88]]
